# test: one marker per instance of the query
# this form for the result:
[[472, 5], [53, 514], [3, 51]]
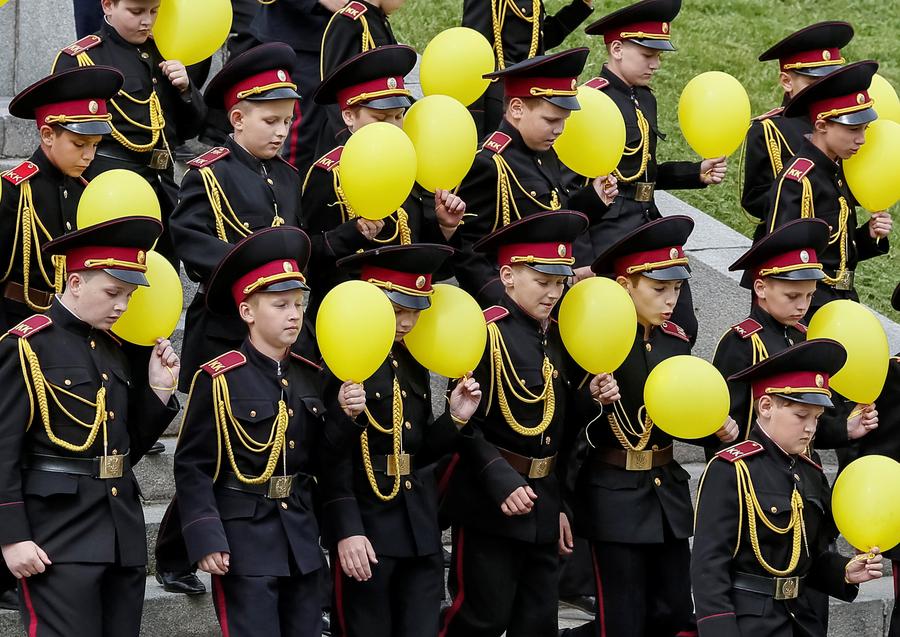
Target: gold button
[[408, 485], [657, 482], [290, 411], [253, 413], [291, 444], [395, 363], [315, 410], [112, 415], [284, 505], [840, 183], [93, 345], [774, 509], [533, 193], [539, 162], [104, 376], [547, 440], [145, 55], [114, 491], [115, 452], [68, 225], [648, 347], [270, 182], [796, 477], [67, 382], [65, 194], [403, 393], [555, 373], [284, 381], [655, 447], [246, 224], [377, 395], [407, 424], [155, 81]]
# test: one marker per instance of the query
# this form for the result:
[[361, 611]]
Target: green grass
[[725, 35]]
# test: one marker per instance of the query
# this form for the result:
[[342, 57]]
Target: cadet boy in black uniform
[[39, 197], [380, 494], [631, 497], [517, 33], [367, 88], [812, 184], [763, 513], [74, 424], [503, 499], [803, 57], [517, 173], [156, 110], [250, 442]]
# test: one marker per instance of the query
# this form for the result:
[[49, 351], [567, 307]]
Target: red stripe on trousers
[[448, 473], [32, 616], [895, 567], [601, 611], [294, 134], [339, 596], [460, 583], [221, 606]]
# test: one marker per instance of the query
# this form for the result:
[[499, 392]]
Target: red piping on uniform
[[32, 617], [688, 633], [221, 606], [601, 611], [448, 473], [295, 134], [895, 567], [460, 583], [339, 597]]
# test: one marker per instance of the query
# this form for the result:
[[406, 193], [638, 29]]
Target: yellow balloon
[[454, 62], [686, 397], [597, 323], [887, 104], [854, 326], [116, 193], [445, 138], [865, 504], [192, 30], [153, 311], [714, 114], [378, 170], [355, 329], [594, 137], [450, 336], [873, 173]]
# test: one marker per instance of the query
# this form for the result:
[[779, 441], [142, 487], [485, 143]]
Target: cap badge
[[574, 84], [93, 107], [665, 27], [804, 256], [287, 266], [826, 55], [820, 380], [282, 76], [673, 253], [561, 250], [860, 98], [392, 83], [141, 257], [420, 283]]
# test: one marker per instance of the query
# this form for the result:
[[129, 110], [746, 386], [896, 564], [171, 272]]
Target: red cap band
[[367, 91], [83, 109], [648, 261], [419, 283], [106, 257], [836, 106], [536, 86], [259, 279], [257, 85], [793, 260], [791, 382], [812, 59], [516, 253]]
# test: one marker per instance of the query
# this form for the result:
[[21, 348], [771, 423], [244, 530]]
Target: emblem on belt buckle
[[398, 465], [159, 159], [540, 467], [786, 587], [643, 191], [638, 460], [846, 281], [280, 487], [112, 466]]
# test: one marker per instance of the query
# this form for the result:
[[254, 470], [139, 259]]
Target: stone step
[[18, 137]]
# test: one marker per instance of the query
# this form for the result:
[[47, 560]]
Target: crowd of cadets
[[277, 458]]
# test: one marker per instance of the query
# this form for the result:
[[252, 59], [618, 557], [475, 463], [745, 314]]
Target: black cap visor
[[570, 103], [282, 93], [659, 45], [857, 118], [812, 398], [817, 71], [673, 273], [552, 269], [409, 301], [87, 128], [129, 276], [387, 103]]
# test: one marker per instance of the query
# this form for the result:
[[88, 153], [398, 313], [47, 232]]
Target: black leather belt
[[532, 467], [633, 460], [388, 465], [102, 467], [275, 488], [779, 588], [155, 159], [16, 292]]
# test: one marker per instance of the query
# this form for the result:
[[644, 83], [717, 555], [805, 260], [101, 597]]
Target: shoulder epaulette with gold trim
[[746, 328], [598, 83], [354, 10], [809, 460], [773, 113], [31, 326], [800, 327], [211, 156], [799, 168], [23, 172], [673, 329], [224, 363], [739, 451], [303, 359], [84, 44], [495, 313], [330, 160], [497, 142]]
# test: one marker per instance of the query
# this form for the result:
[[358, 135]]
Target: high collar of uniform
[[767, 320], [48, 168], [64, 317], [263, 362], [758, 434], [617, 82], [814, 153], [518, 313], [244, 156]]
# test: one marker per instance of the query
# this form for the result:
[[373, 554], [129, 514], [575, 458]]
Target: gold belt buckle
[[643, 191], [280, 487], [638, 460], [787, 587], [846, 281], [112, 466], [398, 465], [540, 467], [159, 159]]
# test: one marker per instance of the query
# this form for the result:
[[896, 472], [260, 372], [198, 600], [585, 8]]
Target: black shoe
[[183, 583], [447, 557], [586, 603], [157, 448], [326, 623], [9, 600]]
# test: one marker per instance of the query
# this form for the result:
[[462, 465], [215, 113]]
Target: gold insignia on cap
[[392, 83], [804, 256], [826, 55], [673, 253], [282, 76], [93, 107], [574, 84], [860, 98], [420, 283], [665, 27], [820, 380], [561, 250], [287, 266], [141, 257]]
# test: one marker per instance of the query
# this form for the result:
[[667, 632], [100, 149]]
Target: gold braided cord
[[504, 375], [76, 119], [216, 196], [789, 268], [390, 286], [224, 417], [400, 217], [787, 391], [807, 209], [506, 203], [656, 265], [811, 65], [37, 387], [643, 147], [641, 35], [115, 263], [619, 416], [546, 261], [747, 495], [396, 431], [837, 112], [842, 234], [373, 95], [551, 92], [775, 141], [256, 90], [498, 19], [760, 353], [265, 281]]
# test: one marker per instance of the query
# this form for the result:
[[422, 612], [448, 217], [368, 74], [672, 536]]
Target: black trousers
[[83, 600], [88, 16], [895, 615], [271, 606], [499, 584], [402, 599], [171, 552], [576, 571], [643, 590]]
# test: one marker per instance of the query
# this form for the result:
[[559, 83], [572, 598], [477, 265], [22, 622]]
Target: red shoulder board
[[746, 328], [224, 363], [354, 10], [209, 157], [672, 329], [809, 460], [801, 328], [84, 44], [598, 83], [84, 182], [495, 313], [330, 161], [23, 172], [799, 169], [31, 326], [306, 360], [774, 112], [497, 142], [741, 450]]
